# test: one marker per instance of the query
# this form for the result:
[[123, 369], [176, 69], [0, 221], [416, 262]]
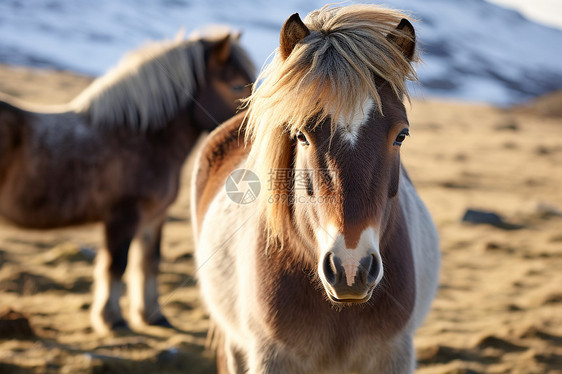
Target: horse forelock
[[150, 85], [328, 75]]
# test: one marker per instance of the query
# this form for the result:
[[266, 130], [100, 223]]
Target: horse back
[[221, 152]]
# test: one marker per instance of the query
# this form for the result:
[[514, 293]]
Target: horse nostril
[[329, 268], [374, 270]]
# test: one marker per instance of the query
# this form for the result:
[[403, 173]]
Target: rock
[[88, 253], [485, 217], [15, 325], [479, 216]]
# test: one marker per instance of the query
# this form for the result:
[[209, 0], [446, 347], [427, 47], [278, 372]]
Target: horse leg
[[111, 262], [230, 360], [142, 284]]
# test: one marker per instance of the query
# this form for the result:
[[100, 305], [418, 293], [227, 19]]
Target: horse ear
[[404, 38], [294, 30], [236, 35], [222, 49]]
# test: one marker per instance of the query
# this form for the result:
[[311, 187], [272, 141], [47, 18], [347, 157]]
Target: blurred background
[[485, 154], [501, 52]]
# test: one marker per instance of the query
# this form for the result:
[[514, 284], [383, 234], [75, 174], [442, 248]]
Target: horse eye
[[238, 88], [302, 138], [401, 137]]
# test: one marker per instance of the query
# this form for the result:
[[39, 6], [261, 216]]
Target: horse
[[330, 262], [114, 155]]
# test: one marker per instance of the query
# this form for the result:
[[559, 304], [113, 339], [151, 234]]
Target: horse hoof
[[120, 326], [162, 322]]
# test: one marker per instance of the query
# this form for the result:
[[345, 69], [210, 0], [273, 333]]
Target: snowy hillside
[[472, 49]]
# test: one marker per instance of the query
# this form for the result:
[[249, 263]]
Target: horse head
[[229, 74], [343, 91]]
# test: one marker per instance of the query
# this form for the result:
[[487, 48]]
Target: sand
[[499, 305]]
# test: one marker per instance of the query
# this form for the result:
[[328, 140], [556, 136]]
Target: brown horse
[[336, 263], [114, 154]]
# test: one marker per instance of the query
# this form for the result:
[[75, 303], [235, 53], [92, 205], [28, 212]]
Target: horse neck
[[12, 122], [178, 136]]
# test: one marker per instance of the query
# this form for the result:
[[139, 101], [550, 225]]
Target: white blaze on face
[[368, 245], [352, 125], [351, 261]]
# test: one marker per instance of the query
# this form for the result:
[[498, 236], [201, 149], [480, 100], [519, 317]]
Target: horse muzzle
[[350, 280]]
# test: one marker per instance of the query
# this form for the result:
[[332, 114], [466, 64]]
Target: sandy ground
[[499, 306]]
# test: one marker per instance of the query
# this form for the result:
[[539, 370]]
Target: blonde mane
[[328, 73], [148, 86]]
